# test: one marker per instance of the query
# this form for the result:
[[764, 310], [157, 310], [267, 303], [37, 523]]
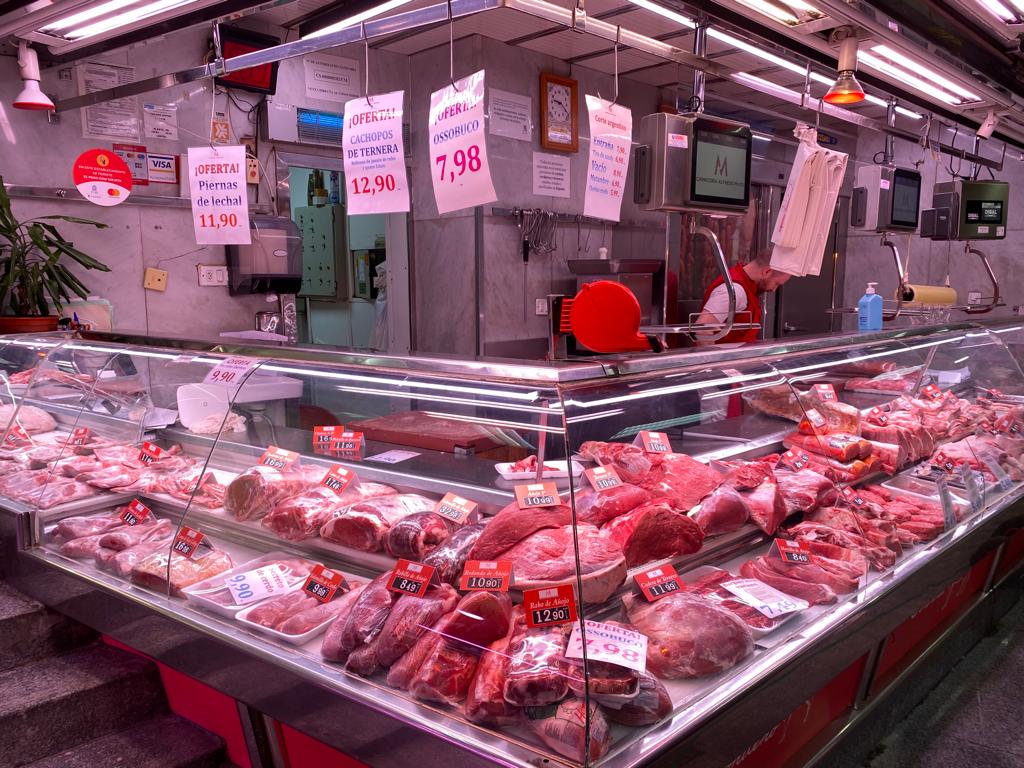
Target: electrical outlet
[[212, 274], [540, 307], [155, 279], [974, 297], [252, 171]]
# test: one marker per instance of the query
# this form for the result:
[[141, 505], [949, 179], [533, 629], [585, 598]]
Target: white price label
[[257, 584], [392, 457], [231, 371], [974, 483], [375, 155], [220, 203], [764, 599], [606, 642], [611, 137], [1003, 481], [948, 508]]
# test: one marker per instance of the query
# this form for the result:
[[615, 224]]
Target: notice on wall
[[160, 121], [137, 160], [551, 174], [375, 155], [331, 78], [220, 128], [510, 115], [458, 146], [611, 134], [102, 177], [117, 119], [220, 207], [163, 169]]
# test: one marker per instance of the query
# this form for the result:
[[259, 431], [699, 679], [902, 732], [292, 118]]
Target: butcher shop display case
[[583, 562]]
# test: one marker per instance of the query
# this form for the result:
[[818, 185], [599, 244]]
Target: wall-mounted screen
[[906, 198], [721, 165]]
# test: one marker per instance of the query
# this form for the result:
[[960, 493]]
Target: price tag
[[347, 442], [550, 606], [794, 460], [543, 494], [611, 136], [609, 643], [323, 583], [825, 392], [80, 436], [411, 578], [338, 479], [375, 155], [231, 371], [135, 513], [658, 582], [392, 457], [1005, 424], [486, 575], [948, 508], [853, 497], [187, 542], [220, 207], [257, 584], [815, 420], [973, 482], [17, 436], [931, 392], [324, 436], [278, 458], [653, 442], [985, 426], [150, 453], [1003, 481], [792, 551], [603, 478], [765, 599], [879, 416], [455, 508], [943, 462]]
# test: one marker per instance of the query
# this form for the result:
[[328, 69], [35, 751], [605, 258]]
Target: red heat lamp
[[846, 90]]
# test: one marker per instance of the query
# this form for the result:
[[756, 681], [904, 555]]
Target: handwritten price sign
[[609, 643], [375, 155], [231, 371], [611, 134], [220, 204]]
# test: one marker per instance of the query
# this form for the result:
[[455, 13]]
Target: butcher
[[752, 279]]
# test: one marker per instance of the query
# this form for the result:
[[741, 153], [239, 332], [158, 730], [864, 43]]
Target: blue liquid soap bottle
[[869, 310]]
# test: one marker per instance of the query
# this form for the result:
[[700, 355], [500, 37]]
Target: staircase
[[69, 701]]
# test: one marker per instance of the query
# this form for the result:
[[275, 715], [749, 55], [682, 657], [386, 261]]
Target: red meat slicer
[[604, 317]]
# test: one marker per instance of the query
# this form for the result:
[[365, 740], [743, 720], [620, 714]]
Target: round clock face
[[559, 108]]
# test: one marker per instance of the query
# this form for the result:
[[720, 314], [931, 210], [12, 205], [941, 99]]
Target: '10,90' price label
[[411, 578], [136, 512], [486, 575], [537, 495], [550, 606], [658, 582], [323, 583]]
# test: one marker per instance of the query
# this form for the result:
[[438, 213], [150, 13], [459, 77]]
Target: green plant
[[30, 268]]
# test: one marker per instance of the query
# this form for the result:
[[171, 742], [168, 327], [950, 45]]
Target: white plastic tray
[[291, 639], [560, 470], [194, 593]]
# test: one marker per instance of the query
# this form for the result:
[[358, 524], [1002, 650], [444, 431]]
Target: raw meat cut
[[838, 446], [86, 546], [649, 706], [301, 516], [880, 557], [820, 570], [605, 680], [131, 535], [879, 532], [365, 619], [563, 727], [892, 455], [688, 636], [416, 535], [598, 507], [547, 558], [529, 464], [274, 611], [512, 524], [766, 505], [449, 557], [655, 530], [363, 525], [485, 702], [900, 386], [79, 526], [748, 491], [122, 563], [631, 463], [31, 419], [152, 571], [254, 492], [813, 593], [724, 511], [805, 490], [403, 671], [311, 617], [72, 466], [110, 477], [710, 588], [330, 648], [536, 671], [683, 478]]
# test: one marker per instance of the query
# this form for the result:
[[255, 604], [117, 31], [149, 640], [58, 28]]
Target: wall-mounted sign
[[102, 177], [220, 205]]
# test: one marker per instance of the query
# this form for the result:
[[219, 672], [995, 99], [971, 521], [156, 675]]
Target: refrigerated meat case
[[97, 436]]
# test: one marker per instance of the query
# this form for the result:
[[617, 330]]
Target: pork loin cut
[[655, 530]]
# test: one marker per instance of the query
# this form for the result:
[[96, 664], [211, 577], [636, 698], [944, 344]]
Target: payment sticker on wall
[[220, 204], [375, 155], [611, 135]]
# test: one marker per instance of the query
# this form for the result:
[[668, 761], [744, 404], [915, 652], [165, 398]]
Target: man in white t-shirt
[[751, 280]]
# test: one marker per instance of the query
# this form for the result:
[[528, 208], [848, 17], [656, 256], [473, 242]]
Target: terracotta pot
[[28, 324]]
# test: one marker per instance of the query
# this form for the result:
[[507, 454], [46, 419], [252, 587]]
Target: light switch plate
[[212, 274], [155, 279], [540, 307]]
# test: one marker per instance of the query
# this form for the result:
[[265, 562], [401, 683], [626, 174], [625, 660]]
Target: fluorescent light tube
[[89, 14], [772, 11], [126, 18], [998, 10], [667, 13], [935, 77], [754, 50], [358, 18], [902, 76]]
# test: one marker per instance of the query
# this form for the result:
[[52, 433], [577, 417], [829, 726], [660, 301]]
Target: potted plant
[[33, 281]]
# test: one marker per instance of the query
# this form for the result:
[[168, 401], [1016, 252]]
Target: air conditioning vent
[[316, 127]]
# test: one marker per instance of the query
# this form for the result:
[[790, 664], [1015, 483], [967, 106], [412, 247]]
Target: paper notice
[[331, 78], [117, 119], [551, 174], [220, 206], [510, 115], [160, 121], [375, 155], [611, 135]]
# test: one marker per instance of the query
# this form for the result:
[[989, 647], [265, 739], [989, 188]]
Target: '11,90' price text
[[549, 615], [217, 220], [363, 185], [462, 161]]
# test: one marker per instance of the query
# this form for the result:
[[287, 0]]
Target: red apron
[[747, 285]]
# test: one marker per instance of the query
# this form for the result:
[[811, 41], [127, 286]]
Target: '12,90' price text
[[362, 185]]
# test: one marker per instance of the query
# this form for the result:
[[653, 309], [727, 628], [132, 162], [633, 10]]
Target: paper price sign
[[187, 542], [16, 436], [278, 458], [973, 484], [611, 139], [220, 202], [411, 578], [879, 416], [931, 392], [550, 606], [323, 583], [949, 517], [792, 551], [230, 371], [486, 575], [766, 600], [455, 508], [653, 442], [609, 643], [853, 497], [794, 460], [459, 169], [658, 582], [338, 479], [80, 436], [603, 478], [374, 154], [537, 495], [825, 392], [257, 584], [136, 512], [1003, 481], [150, 453]]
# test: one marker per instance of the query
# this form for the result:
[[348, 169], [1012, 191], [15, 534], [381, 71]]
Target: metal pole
[[700, 47], [890, 139]]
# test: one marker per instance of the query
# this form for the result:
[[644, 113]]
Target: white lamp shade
[[31, 97]]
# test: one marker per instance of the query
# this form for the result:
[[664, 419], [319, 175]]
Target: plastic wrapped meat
[[153, 570], [84, 546], [330, 649], [309, 617], [72, 466], [631, 463], [301, 516], [485, 702], [60, 493], [122, 563], [79, 526], [805, 491], [363, 526], [598, 507], [688, 636], [536, 672], [655, 530], [254, 492], [814, 593], [272, 612], [839, 446], [710, 588], [416, 535], [563, 727], [449, 558], [110, 477], [649, 706], [512, 524], [130, 535], [365, 619], [31, 418]]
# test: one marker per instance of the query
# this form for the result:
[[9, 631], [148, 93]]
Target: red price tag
[[653, 442], [932, 392], [455, 508], [323, 583], [794, 460], [278, 458], [338, 479], [825, 392], [879, 415], [411, 578], [815, 420], [987, 425], [943, 462], [550, 606], [486, 575], [150, 453], [603, 478], [17, 436], [853, 497], [323, 436], [543, 494], [1005, 424], [187, 542], [80, 436], [658, 582], [792, 551], [135, 513], [347, 442]]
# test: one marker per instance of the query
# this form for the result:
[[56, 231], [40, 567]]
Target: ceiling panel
[[500, 24], [567, 45]]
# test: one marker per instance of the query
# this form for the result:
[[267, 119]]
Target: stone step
[[162, 742], [54, 704], [29, 631]]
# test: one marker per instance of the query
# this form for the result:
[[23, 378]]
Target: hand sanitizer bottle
[[869, 310]]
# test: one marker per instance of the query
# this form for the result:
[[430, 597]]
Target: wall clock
[[559, 113]]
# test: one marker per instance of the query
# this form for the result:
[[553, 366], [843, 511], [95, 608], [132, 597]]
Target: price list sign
[[611, 136], [220, 203], [375, 155], [458, 149]]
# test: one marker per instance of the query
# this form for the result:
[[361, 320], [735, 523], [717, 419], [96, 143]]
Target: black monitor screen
[[906, 196], [721, 166], [984, 211]]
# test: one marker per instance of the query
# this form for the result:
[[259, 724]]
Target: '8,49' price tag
[[411, 578], [792, 551]]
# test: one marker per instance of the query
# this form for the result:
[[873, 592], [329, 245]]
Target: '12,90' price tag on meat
[[486, 575], [658, 582], [550, 606], [455, 508], [609, 643], [603, 478], [653, 442], [150, 453], [537, 495], [411, 578], [278, 458], [231, 371], [323, 583], [187, 542], [257, 584], [338, 479], [792, 551], [136, 512]]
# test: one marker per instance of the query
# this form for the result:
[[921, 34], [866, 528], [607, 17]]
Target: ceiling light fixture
[[998, 10], [735, 42], [94, 12], [915, 67], [126, 18], [772, 11], [846, 90], [358, 18], [31, 96], [907, 78]]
